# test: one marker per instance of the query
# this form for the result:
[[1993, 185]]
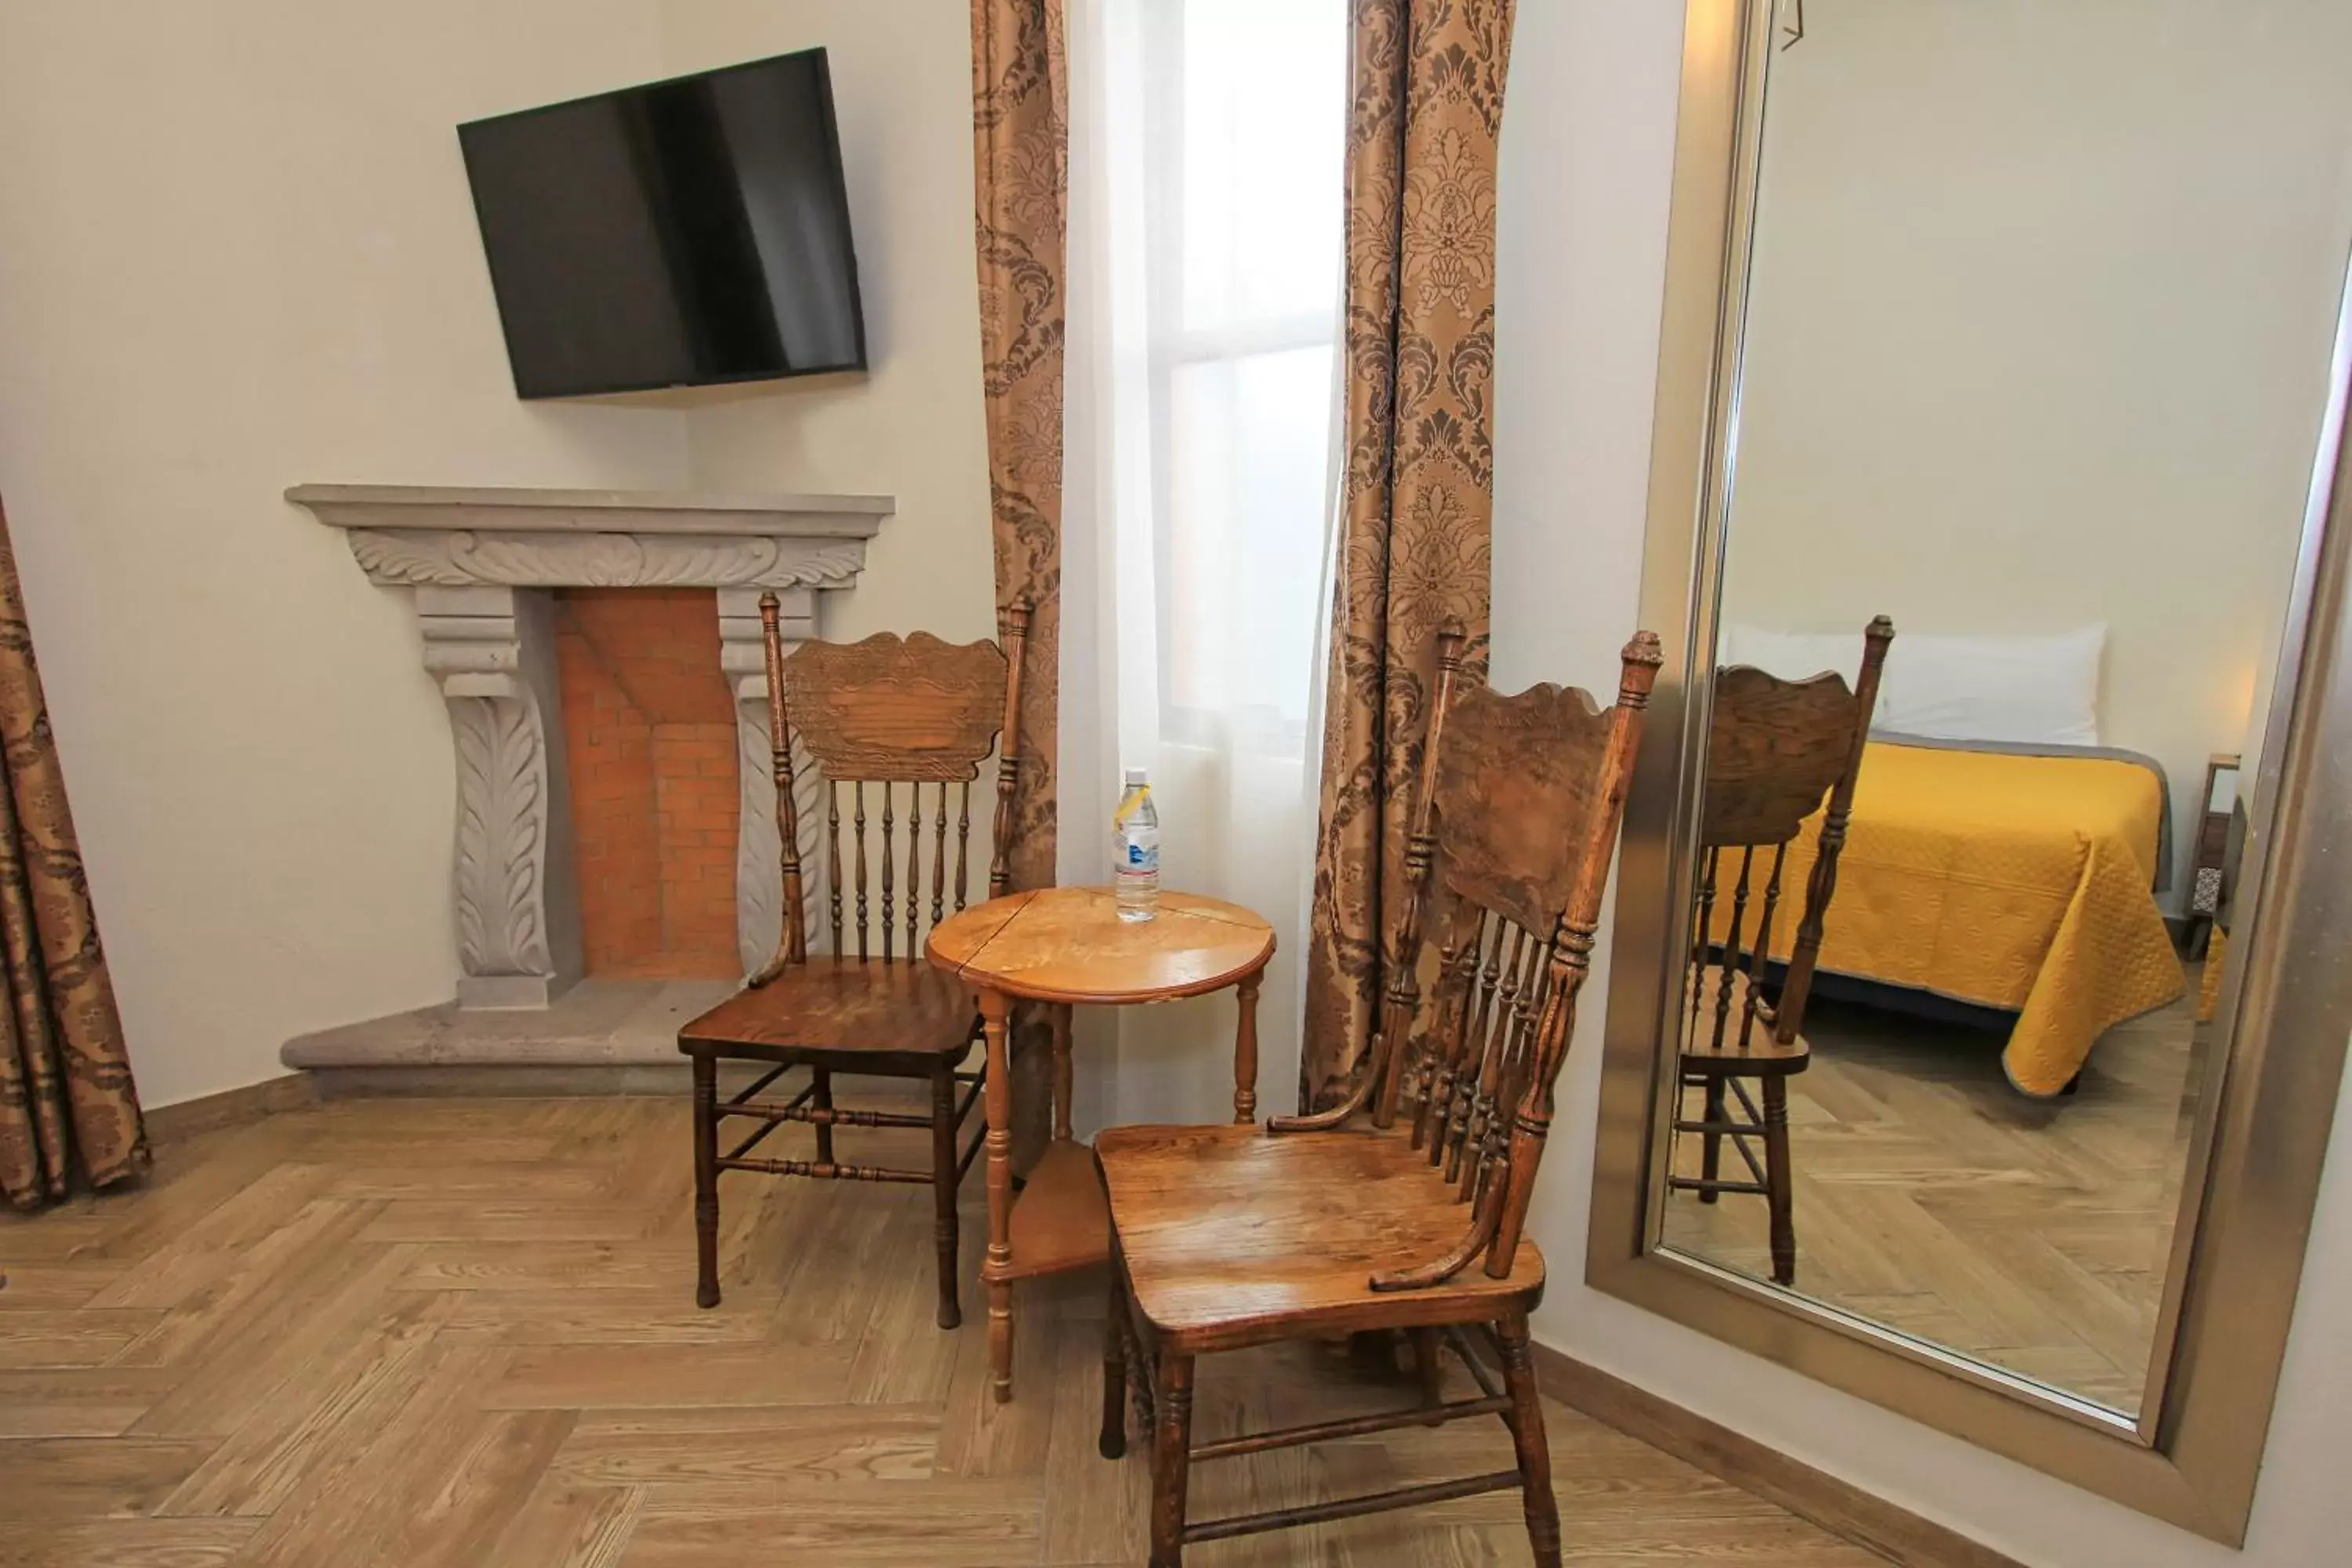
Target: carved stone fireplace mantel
[[481, 563]]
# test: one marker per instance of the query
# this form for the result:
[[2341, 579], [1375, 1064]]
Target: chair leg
[[1527, 1437], [1710, 1149], [1777, 1185], [1172, 1458], [706, 1181], [1113, 1445], [1429, 1368], [943, 1192], [821, 1083]]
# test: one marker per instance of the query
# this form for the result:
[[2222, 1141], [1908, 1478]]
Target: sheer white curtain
[[1200, 417]]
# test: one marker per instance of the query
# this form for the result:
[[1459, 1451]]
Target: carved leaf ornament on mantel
[[603, 560], [501, 835]]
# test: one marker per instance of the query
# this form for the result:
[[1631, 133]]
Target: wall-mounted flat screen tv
[[683, 234]]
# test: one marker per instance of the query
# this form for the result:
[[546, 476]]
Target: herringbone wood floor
[[1932, 1197], [462, 1333]]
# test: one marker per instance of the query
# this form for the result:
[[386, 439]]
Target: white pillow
[[2034, 691], [1795, 655], [2038, 690]]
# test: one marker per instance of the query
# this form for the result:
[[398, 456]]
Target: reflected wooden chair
[[1775, 749], [1346, 1222], [875, 718]]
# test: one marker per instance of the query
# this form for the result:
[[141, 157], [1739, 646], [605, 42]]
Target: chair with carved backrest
[[875, 718], [1775, 749], [1224, 1238]]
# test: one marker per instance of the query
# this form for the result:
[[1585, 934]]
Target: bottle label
[[1135, 853]]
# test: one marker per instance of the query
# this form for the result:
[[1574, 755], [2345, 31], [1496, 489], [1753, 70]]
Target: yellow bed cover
[[2015, 881]]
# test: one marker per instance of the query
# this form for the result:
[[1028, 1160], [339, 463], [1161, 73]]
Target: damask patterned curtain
[[67, 1106], [1020, 155], [1425, 120], [1020, 97]]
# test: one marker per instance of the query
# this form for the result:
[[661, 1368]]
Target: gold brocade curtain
[[65, 1096], [1019, 120], [1021, 156], [1426, 117]]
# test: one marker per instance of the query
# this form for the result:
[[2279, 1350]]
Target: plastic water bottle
[[1135, 850]]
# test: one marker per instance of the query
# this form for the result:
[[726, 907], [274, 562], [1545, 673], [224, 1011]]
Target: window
[[1244, 142]]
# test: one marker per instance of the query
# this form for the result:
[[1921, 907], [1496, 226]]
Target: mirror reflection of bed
[[2005, 381], [1986, 1140]]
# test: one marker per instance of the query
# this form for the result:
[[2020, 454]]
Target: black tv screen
[[686, 233]]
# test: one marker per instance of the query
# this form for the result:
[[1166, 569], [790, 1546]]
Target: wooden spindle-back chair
[[1776, 748], [1229, 1237], [882, 721]]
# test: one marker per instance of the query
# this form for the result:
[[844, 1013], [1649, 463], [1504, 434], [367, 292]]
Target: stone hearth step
[[602, 1035]]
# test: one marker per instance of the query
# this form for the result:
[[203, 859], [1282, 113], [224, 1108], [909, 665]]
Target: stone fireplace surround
[[482, 565]]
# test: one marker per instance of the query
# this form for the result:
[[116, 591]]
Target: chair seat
[[1763, 1054], [883, 1013], [1234, 1236]]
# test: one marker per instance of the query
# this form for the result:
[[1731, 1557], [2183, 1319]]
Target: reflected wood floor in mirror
[[460, 1332], [1935, 1199]]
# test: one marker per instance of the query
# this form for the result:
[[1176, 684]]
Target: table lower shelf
[[1061, 1219]]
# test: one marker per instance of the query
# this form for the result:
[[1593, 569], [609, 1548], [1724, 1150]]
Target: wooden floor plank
[[939, 1523], [1099, 1509], [212, 1248], [325, 1406], [316, 1308], [79, 1402], [982, 1439], [27, 1286], [478, 1493], [191, 1179], [753, 1448], [222, 1307], [901, 1356], [324, 1356], [594, 1377], [562, 1526], [576, 1266], [423, 1430], [1931, 1197], [624, 1315], [89, 1336], [127, 1543], [94, 1478], [504, 1219]]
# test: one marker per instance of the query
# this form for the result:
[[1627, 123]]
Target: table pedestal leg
[[1245, 1052], [996, 1103]]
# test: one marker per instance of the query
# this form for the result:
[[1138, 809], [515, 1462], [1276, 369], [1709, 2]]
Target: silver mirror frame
[[2193, 1455]]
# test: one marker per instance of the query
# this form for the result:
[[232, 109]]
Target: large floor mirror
[[2000, 410]]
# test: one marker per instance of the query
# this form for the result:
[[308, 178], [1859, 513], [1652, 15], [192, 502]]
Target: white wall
[[2037, 337], [237, 253], [1587, 156], [913, 427]]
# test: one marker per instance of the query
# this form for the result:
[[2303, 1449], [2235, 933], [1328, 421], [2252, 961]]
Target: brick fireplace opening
[[650, 740]]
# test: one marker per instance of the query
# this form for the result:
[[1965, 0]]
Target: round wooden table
[[1063, 946]]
